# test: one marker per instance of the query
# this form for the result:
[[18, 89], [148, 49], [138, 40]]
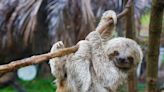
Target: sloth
[[100, 64]]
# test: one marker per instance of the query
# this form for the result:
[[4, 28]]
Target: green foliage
[[46, 85], [145, 20], [8, 89], [37, 85], [140, 88]]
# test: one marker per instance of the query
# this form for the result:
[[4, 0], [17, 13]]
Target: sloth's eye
[[130, 58], [112, 55], [116, 53]]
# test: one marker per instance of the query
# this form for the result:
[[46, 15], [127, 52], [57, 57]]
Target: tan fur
[[62, 87], [95, 67]]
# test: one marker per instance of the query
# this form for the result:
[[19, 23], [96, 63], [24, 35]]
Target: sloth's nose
[[122, 60]]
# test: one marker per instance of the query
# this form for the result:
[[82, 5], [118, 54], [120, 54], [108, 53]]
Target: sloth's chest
[[84, 76]]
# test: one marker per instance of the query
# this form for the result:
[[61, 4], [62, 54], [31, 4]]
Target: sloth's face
[[122, 61], [125, 53]]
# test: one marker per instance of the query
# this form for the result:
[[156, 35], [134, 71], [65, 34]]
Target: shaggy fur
[[99, 65]]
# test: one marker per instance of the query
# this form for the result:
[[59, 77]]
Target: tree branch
[[36, 59]]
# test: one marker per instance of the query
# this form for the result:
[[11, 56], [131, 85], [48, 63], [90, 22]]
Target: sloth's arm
[[84, 51], [97, 40], [99, 57]]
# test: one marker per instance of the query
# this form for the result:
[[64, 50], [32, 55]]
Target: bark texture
[[155, 29], [130, 33]]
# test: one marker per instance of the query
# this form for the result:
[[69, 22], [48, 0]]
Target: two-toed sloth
[[100, 64]]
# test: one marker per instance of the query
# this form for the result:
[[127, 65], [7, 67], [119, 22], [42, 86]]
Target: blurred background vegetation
[[29, 27]]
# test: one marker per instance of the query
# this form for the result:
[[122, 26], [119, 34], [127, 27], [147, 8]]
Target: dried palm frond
[[69, 20], [18, 21]]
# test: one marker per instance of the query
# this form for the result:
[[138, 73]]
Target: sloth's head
[[125, 53]]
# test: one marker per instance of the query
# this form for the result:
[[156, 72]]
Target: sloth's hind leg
[[57, 64]]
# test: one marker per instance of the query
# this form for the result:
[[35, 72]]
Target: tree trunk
[[130, 33], [130, 25], [155, 29]]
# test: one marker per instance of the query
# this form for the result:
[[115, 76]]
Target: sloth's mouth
[[121, 66]]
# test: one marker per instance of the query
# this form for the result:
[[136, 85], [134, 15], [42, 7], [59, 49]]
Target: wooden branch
[[36, 59]]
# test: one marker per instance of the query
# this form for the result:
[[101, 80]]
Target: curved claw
[[110, 14]]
